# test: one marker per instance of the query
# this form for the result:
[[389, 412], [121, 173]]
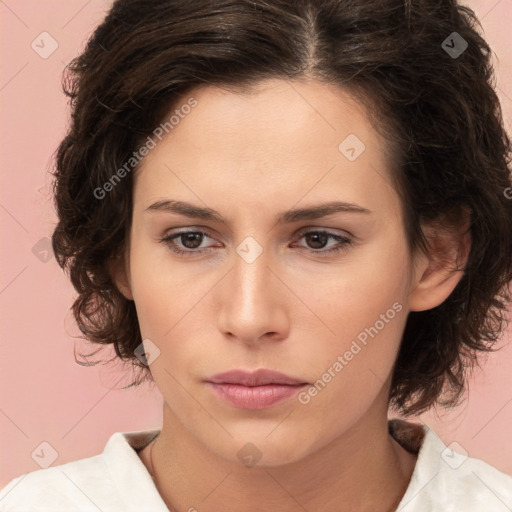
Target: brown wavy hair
[[438, 112]]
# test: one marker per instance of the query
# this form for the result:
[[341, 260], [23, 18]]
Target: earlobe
[[434, 287], [437, 274], [119, 270]]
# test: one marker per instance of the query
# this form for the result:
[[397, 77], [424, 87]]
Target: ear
[[119, 268], [437, 273]]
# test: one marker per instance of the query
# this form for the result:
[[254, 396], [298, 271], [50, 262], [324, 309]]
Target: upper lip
[[259, 377]]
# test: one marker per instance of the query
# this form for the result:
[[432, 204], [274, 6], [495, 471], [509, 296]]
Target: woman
[[292, 217]]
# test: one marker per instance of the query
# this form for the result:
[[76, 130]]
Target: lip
[[260, 377], [255, 397], [254, 390]]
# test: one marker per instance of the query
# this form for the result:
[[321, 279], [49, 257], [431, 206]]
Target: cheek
[[159, 292], [353, 368], [153, 307], [167, 301], [364, 309], [365, 288]]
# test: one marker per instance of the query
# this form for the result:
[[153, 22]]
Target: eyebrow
[[290, 216]]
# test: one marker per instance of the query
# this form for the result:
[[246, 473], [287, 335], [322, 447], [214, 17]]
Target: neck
[[363, 469]]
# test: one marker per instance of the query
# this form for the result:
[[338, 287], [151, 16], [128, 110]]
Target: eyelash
[[169, 241]]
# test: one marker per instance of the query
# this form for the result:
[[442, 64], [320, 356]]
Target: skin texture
[[250, 157]]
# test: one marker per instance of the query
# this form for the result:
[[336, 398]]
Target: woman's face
[[264, 293]]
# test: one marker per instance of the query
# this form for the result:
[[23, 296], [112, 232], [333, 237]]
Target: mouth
[[261, 377], [254, 390]]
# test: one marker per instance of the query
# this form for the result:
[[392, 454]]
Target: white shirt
[[118, 481]]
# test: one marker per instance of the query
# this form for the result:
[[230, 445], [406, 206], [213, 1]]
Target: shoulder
[[62, 487], [447, 478], [101, 482]]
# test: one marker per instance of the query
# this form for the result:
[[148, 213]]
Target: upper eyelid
[[299, 234], [330, 231]]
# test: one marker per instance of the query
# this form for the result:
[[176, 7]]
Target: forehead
[[297, 112], [281, 141]]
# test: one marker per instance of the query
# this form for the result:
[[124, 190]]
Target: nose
[[254, 301]]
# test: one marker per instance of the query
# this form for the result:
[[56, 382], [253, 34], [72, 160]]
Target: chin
[[263, 450]]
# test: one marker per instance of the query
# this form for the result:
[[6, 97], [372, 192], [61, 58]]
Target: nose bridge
[[252, 276], [249, 309]]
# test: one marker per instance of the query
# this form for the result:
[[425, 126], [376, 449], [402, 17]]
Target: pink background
[[45, 396]]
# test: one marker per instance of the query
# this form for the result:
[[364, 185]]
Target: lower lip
[[255, 397]]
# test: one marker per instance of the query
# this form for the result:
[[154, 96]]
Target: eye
[[318, 239], [192, 240]]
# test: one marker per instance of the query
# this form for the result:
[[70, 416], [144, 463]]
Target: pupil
[[189, 237], [316, 236]]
